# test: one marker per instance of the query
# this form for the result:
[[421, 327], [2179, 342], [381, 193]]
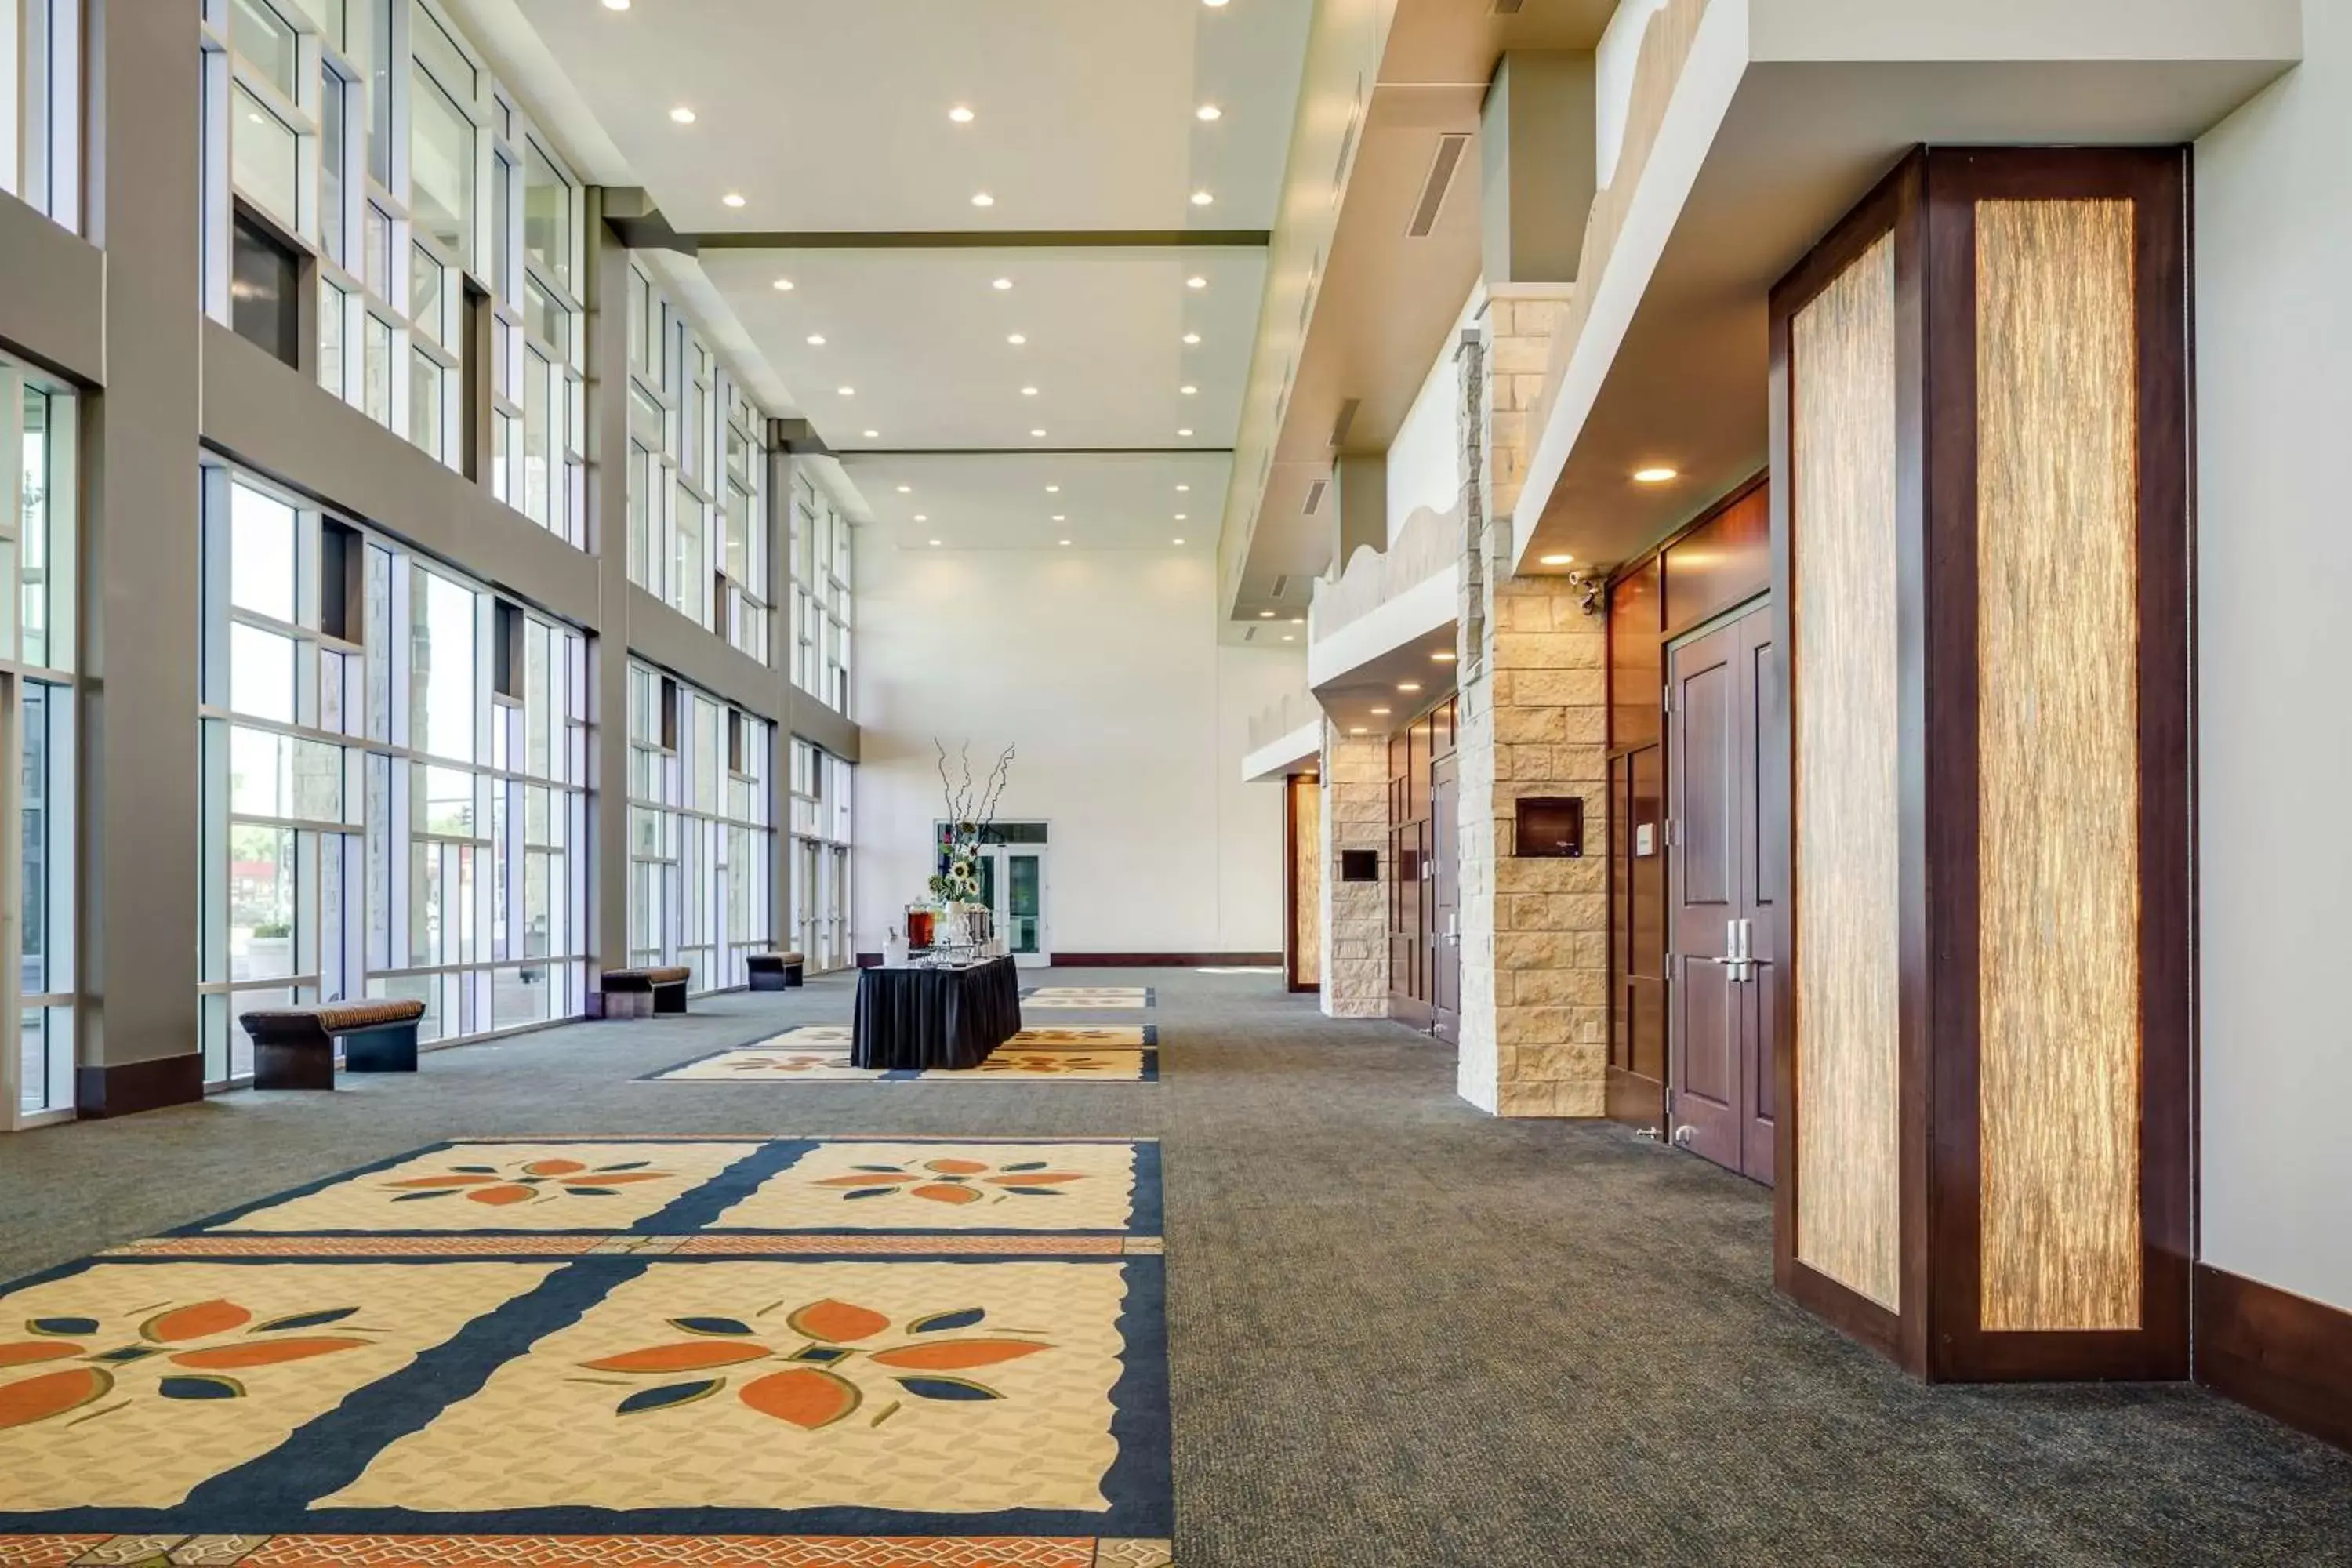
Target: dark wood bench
[[294, 1047], [642, 993], [777, 970]]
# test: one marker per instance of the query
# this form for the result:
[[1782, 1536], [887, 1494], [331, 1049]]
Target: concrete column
[[1533, 722], [1536, 165], [1355, 915], [138, 779], [605, 292]]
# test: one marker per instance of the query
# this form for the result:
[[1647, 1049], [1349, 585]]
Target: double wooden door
[[1726, 880]]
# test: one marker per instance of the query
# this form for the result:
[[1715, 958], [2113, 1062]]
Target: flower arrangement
[[972, 812]]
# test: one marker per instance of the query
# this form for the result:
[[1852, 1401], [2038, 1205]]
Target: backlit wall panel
[[1842, 512], [2058, 767]]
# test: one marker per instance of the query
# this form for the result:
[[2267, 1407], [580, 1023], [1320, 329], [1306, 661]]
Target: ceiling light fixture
[[816, 340], [1555, 560], [1181, 488], [1186, 434], [1353, 729], [1187, 391], [1002, 283], [1214, 4], [920, 517], [1053, 490], [616, 4], [732, 199], [1040, 433], [935, 544], [906, 490], [1287, 638], [682, 114], [1408, 685], [874, 435], [1658, 475], [1175, 542], [1208, 111], [959, 114], [846, 391], [1196, 281], [784, 285], [1191, 337], [1059, 518], [1202, 198], [1443, 655], [1181, 517], [1028, 391], [1016, 339], [1266, 614], [982, 199], [1065, 542], [1380, 713]]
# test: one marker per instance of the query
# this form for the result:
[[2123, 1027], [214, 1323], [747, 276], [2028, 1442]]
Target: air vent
[[1282, 585], [1346, 422], [1249, 634], [1348, 143], [1314, 498], [1441, 168]]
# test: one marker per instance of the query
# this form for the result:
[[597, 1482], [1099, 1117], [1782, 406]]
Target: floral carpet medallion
[[836, 1350], [819, 1053], [1080, 997]]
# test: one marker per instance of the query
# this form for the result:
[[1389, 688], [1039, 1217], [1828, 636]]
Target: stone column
[[1355, 915], [1534, 721]]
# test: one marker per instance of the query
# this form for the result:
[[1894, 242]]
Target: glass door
[[1012, 885]]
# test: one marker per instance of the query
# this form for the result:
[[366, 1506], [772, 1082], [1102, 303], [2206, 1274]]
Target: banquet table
[[915, 1017]]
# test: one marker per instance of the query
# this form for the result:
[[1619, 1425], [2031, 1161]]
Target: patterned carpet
[[1401, 1334], [819, 1053]]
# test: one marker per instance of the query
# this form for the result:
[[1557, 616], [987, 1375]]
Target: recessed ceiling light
[[1064, 541], [1214, 4], [1181, 517], [1196, 281], [682, 114], [1208, 111], [1191, 337], [1028, 391], [935, 544], [1555, 560], [1653, 476], [1187, 391], [846, 391], [874, 435], [1175, 542], [1266, 614], [732, 199], [616, 4], [1059, 518], [906, 490], [1016, 339], [982, 199], [1287, 638], [1002, 283], [1352, 729], [1186, 434], [920, 517], [959, 114], [1379, 712], [1053, 490], [816, 340], [784, 285], [1201, 198], [1181, 488], [1443, 655], [1408, 685], [1038, 433]]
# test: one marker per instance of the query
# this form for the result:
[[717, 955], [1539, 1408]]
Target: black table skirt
[[916, 1018]]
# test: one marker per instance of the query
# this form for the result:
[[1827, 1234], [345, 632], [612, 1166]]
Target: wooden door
[[1723, 895], [1445, 901]]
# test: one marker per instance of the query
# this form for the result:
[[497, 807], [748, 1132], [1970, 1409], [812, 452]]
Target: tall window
[[821, 550], [40, 106], [701, 832], [395, 782], [821, 822], [37, 713], [698, 476], [368, 133]]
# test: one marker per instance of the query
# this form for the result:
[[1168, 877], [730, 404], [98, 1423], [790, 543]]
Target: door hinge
[[1667, 832], [1665, 699]]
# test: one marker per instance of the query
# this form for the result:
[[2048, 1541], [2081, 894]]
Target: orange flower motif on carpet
[[195, 1347], [1047, 1062], [531, 1181], [814, 1388], [956, 1181]]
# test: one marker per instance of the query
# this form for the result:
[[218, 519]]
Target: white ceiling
[[1002, 502], [833, 114], [831, 117], [920, 336]]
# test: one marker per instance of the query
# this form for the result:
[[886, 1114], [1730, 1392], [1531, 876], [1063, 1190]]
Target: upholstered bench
[[294, 1047], [642, 993], [776, 971]]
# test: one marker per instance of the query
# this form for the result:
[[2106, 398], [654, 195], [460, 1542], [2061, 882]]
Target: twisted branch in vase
[[972, 812]]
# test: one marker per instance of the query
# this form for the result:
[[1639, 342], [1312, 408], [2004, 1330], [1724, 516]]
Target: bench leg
[[670, 998], [281, 1064], [390, 1050]]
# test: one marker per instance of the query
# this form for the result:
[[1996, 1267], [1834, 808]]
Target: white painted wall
[[1424, 459], [1131, 718], [2275, 564]]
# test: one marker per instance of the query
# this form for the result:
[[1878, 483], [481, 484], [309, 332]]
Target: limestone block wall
[[1535, 1020], [1355, 915]]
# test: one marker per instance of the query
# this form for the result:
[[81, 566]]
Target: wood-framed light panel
[[1985, 1055]]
